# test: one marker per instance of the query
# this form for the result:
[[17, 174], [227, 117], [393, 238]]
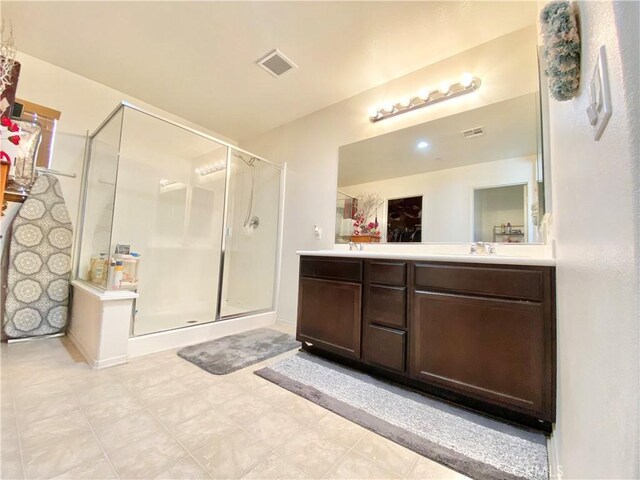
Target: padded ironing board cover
[[39, 263]]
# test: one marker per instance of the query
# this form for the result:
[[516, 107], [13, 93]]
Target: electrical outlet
[[317, 231]]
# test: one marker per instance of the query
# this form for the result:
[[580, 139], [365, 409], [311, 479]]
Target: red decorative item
[[8, 152]]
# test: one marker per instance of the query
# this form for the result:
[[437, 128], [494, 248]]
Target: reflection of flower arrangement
[[368, 205], [364, 228]]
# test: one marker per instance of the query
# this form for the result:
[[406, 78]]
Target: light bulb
[[466, 80], [444, 88], [405, 102], [422, 145], [388, 107], [423, 93], [373, 112]]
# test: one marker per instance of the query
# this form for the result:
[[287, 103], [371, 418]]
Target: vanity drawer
[[386, 305], [501, 281], [349, 270], [387, 272], [385, 347]]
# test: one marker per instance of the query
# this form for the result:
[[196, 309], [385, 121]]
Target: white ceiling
[[510, 132], [197, 59]]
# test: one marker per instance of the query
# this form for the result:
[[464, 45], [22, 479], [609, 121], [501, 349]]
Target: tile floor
[[161, 417]]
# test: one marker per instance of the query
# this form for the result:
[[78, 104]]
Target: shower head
[[248, 162]]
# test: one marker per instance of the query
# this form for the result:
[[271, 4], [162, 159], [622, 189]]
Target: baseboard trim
[[93, 363], [109, 362], [555, 467], [80, 347]]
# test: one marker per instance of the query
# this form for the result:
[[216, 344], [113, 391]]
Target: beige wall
[[310, 145], [84, 105], [597, 224]]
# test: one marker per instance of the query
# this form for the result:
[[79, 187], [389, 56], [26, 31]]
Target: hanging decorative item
[[559, 25], [9, 70]]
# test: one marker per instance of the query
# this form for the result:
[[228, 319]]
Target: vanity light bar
[[467, 84], [212, 168]]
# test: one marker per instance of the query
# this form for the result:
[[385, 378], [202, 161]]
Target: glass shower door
[[251, 237], [169, 209]]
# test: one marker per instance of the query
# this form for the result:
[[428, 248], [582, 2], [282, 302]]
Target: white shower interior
[[180, 199]]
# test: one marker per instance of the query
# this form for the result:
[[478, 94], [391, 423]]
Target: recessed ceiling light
[[422, 145]]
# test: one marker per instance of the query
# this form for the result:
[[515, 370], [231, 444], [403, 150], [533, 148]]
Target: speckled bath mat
[[477, 446], [228, 354]]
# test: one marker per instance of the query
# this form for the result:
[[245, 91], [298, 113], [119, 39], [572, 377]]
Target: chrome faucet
[[481, 248], [356, 246]]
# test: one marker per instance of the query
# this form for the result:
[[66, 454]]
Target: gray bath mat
[[472, 444], [228, 354]]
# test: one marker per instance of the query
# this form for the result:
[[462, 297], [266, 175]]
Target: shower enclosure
[[190, 223]]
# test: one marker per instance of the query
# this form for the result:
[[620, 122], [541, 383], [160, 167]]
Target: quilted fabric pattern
[[39, 263]]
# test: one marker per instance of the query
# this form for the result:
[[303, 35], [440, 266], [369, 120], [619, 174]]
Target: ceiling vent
[[276, 63], [473, 132]]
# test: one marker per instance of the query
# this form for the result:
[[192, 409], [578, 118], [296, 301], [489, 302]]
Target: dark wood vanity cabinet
[[479, 334], [330, 305]]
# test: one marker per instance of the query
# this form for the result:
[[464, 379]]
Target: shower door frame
[[278, 259], [82, 210]]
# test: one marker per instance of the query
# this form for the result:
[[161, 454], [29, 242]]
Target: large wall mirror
[[477, 175]]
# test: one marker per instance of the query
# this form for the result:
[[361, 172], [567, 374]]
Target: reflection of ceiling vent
[[276, 63], [473, 132]]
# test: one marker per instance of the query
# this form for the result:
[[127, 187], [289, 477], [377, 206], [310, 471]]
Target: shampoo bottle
[[118, 274]]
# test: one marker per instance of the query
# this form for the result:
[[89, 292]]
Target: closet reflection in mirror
[[478, 174]]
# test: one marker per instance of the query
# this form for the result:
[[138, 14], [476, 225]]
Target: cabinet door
[[329, 315], [489, 349]]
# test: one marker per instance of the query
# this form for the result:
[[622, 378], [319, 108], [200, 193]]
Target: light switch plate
[[599, 109]]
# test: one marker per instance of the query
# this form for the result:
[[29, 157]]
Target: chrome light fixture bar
[[467, 84], [211, 168]]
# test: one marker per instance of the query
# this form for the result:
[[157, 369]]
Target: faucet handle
[[473, 248], [491, 248]]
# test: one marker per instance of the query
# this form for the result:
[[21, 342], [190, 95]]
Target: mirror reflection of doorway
[[499, 214], [404, 220]]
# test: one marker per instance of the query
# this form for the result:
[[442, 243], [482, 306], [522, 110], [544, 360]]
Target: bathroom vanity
[[475, 330]]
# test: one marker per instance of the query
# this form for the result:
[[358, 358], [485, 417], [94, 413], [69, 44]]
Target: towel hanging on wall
[[39, 263]]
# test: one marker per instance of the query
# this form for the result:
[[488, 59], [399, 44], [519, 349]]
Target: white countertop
[[538, 255]]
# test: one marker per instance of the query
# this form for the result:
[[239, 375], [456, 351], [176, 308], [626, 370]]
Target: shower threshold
[[145, 324]]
